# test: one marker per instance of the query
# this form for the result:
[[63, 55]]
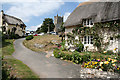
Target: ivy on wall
[[98, 32]]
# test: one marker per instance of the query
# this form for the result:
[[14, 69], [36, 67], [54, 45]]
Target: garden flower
[[113, 65], [106, 62], [105, 52], [98, 59], [101, 63], [115, 49], [109, 59], [117, 68], [113, 60], [96, 62], [100, 69], [76, 38]]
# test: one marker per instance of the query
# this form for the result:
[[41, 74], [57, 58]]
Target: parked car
[[54, 33], [36, 35], [41, 34]]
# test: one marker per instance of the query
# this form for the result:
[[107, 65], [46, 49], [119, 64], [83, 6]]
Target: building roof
[[99, 11], [12, 20]]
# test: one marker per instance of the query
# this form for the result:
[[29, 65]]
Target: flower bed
[[107, 64], [74, 57]]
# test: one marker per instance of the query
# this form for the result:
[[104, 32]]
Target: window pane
[[84, 22], [88, 22], [91, 39], [88, 40], [84, 39]]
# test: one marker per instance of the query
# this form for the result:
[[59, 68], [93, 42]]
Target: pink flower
[[98, 60]]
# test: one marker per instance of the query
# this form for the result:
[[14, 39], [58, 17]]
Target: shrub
[[85, 58], [56, 53], [63, 46], [29, 37], [80, 47], [76, 58], [109, 52]]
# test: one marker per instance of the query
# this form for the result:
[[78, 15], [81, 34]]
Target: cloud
[[25, 11], [34, 28], [66, 15], [43, 0]]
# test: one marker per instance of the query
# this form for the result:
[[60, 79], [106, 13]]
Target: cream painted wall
[[106, 33], [67, 30], [19, 30]]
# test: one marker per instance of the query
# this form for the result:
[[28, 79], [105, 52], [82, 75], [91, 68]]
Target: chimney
[[2, 12], [1, 17]]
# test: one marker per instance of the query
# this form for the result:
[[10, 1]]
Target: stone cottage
[[101, 18], [11, 24]]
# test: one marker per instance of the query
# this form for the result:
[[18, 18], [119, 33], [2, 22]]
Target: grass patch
[[14, 67], [20, 69], [8, 47], [45, 40]]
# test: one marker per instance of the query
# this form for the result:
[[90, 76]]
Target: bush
[[109, 52], [85, 58], [29, 37], [76, 58], [56, 53], [80, 47]]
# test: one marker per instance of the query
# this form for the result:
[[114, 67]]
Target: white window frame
[[88, 22], [88, 39]]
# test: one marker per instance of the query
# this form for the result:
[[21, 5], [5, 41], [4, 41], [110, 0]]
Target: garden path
[[45, 67]]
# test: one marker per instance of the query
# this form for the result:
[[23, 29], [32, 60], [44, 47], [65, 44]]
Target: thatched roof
[[99, 11], [12, 20]]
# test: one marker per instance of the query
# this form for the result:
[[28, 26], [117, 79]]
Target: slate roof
[[99, 11]]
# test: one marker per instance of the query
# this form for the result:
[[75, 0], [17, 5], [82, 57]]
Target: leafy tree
[[48, 22]]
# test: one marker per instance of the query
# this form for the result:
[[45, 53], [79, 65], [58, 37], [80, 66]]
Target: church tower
[[58, 20]]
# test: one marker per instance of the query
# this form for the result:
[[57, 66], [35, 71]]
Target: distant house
[[90, 14], [11, 24]]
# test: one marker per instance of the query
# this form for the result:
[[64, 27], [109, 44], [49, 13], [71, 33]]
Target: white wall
[[67, 30]]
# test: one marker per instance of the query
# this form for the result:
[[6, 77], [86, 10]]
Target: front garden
[[100, 58], [103, 61]]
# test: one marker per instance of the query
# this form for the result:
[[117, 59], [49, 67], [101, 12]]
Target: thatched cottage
[[101, 19], [11, 24]]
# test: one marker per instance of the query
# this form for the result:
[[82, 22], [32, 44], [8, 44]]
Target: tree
[[62, 31], [48, 22]]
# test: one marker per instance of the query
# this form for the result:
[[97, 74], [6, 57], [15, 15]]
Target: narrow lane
[[43, 66]]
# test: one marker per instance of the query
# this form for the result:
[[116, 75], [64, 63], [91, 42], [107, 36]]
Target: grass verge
[[14, 67]]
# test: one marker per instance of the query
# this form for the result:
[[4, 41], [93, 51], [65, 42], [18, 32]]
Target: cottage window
[[88, 22], [88, 39]]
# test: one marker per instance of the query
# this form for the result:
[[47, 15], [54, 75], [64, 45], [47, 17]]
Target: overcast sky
[[33, 12]]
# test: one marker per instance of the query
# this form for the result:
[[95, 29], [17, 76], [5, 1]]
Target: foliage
[[117, 36], [63, 46], [44, 28], [109, 52], [80, 47], [2, 36], [14, 36], [75, 57], [29, 37], [56, 53]]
